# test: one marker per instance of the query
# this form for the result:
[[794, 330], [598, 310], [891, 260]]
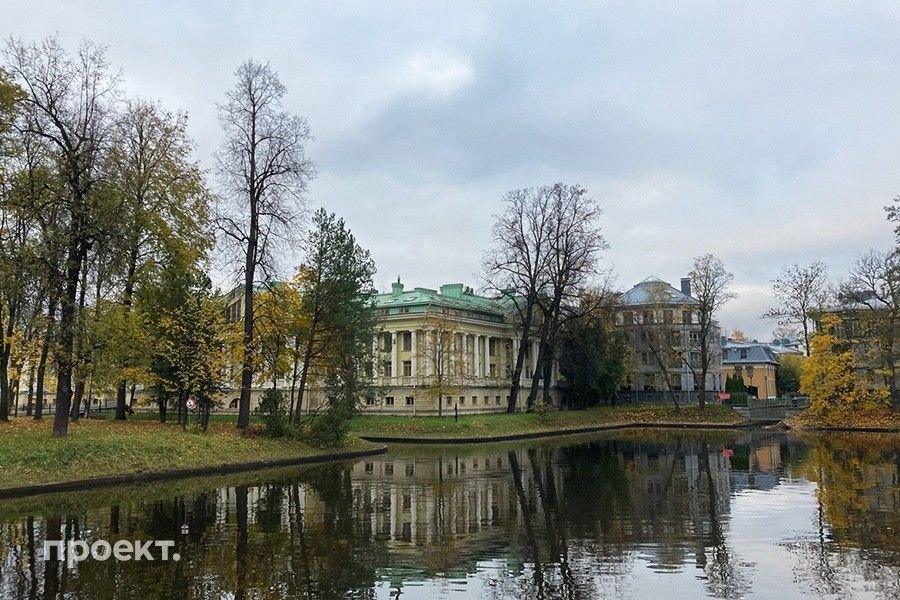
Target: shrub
[[274, 414]]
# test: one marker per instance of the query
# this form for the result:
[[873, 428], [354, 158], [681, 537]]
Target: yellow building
[[755, 363]]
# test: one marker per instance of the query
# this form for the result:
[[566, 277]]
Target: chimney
[[397, 287], [686, 286]]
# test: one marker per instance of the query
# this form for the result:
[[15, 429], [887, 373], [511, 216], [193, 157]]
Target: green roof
[[454, 296]]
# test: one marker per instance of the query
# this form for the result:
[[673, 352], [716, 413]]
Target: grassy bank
[[98, 448], [877, 420], [498, 425]]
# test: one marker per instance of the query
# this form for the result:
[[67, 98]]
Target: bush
[[274, 414]]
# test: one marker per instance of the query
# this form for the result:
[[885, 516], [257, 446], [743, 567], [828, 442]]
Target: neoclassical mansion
[[436, 352], [450, 344]]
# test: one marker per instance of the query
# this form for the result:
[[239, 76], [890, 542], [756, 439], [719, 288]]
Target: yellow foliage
[[830, 378]]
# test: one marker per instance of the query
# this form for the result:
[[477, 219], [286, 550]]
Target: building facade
[[755, 363], [662, 329], [436, 352], [446, 351]]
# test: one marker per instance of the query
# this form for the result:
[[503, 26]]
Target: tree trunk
[[29, 406], [515, 385], [304, 371], [131, 398], [68, 316], [294, 378], [121, 411]]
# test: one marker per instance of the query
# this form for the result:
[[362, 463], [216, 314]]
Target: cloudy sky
[[764, 134]]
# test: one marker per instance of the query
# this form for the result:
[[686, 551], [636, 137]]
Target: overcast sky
[[763, 134]]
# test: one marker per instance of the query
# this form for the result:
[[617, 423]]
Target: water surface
[[638, 514]]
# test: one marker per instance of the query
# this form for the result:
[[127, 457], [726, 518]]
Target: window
[[462, 400], [407, 501], [676, 381], [497, 400], [750, 371], [725, 354], [389, 401], [668, 315], [627, 318], [487, 400], [386, 368], [743, 354], [389, 469], [370, 401], [694, 337], [645, 358], [387, 343], [492, 347], [407, 338], [370, 467], [493, 371], [404, 310], [410, 400], [407, 368], [474, 400], [410, 469], [687, 317], [648, 316]]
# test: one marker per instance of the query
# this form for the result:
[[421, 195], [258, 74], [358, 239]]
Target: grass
[[97, 448], [881, 418], [502, 424]]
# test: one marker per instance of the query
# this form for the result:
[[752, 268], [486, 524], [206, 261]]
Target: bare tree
[[444, 370], [69, 104], [574, 242], [799, 292], [516, 264], [264, 173], [874, 284], [710, 285]]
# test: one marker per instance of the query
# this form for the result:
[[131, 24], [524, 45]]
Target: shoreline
[[141, 477], [489, 439]]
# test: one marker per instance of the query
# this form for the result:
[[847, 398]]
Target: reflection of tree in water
[[857, 517], [724, 575], [537, 522]]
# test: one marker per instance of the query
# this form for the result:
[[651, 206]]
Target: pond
[[627, 514]]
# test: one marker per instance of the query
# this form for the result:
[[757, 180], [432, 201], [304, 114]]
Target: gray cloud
[[764, 134]]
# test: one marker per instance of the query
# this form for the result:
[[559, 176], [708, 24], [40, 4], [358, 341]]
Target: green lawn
[[98, 448], [502, 424]]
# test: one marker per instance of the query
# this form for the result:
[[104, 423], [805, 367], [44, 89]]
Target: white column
[[394, 354], [429, 358], [515, 353], [487, 356], [415, 354], [534, 356], [477, 372]]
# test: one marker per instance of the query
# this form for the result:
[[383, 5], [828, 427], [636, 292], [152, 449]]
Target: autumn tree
[[192, 350], [829, 378], [69, 106], [164, 204], [872, 294], [264, 172], [800, 294], [711, 286]]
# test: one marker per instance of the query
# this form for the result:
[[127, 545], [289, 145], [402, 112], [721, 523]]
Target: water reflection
[[631, 514]]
